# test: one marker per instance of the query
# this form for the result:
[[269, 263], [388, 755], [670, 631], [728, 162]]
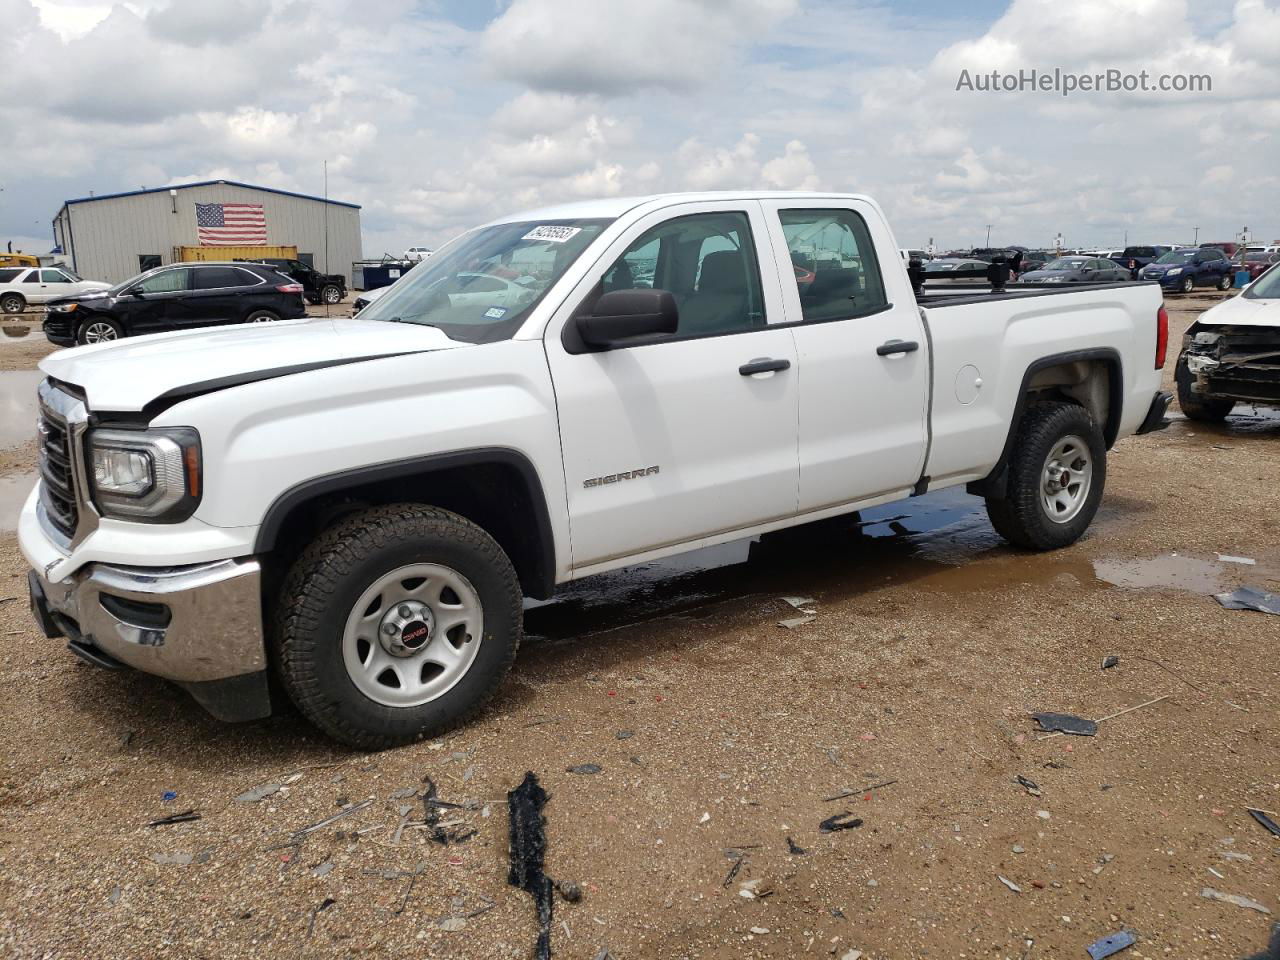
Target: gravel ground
[[719, 734]]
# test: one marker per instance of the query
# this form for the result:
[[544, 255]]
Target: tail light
[[1162, 337], [288, 287]]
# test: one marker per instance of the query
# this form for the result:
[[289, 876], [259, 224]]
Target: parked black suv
[[175, 297], [317, 287]]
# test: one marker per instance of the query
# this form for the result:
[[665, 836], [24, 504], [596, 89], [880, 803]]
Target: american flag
[[231, 225]]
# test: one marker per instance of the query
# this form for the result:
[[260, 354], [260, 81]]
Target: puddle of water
[[18, 406], [14, 489], [1170, 571], [930, 541]]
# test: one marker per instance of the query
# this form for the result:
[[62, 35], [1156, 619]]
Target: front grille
[[58, 487]]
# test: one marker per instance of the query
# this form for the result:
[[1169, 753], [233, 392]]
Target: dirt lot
[[719, 735]]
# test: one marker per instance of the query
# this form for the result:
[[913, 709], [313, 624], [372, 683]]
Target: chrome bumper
[[192, 624]]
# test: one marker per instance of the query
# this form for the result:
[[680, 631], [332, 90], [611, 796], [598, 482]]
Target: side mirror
[[136, 291], [622, 315]]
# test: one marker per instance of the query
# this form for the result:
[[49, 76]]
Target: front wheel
[[331, 294], [1187, 285], [99, 330], [396, 624], [13, 303], [1197, 406], [1057, 470]]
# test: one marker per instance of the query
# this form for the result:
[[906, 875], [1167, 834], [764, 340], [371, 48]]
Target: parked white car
[[417, 253], [20, 286], [359, 504]]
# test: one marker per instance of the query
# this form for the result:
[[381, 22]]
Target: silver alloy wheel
[[262, 318], [1066, 479], [13, 305], [412, 635], [99, 332], [332, 295]]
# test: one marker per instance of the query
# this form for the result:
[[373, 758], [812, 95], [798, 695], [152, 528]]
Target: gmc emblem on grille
[[620, 475]]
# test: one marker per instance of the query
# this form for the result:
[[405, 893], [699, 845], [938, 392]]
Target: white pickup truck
[[357, 506]]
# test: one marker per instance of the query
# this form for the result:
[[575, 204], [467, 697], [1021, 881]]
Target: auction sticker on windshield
[[495, 313], [552, 233]]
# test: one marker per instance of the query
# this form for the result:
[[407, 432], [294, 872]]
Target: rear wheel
[[1057, 470], [13, 303], [262, 316], [331, 293], [99, 330], [1187, 285], [396, 624], [1194, 405]]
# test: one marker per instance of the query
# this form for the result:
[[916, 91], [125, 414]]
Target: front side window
[[834, 262], [166, 281], [53, 276], [481, 286], [707, 261]]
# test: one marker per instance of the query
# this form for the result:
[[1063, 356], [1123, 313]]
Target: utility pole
[[988, 235], [326, 226], [1196, 241]]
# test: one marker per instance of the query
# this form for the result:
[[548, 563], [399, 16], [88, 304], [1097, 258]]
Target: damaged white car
[[1232, 353]]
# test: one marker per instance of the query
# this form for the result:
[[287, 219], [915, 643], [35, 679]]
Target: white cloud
[[793, 170]]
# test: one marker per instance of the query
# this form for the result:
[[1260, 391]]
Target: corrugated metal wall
[[106, 236]]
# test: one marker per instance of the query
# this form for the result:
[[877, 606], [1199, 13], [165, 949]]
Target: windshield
[[1063, 264], [1178, 256], [1266, 287], [481, 287]]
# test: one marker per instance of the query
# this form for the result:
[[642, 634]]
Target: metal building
[[116, 236]]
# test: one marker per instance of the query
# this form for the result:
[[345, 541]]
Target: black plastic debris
[[1109, 662], [624, 735], [528, 850], [733, 872], [841, 821], [1250, 598], [1030, 786], [324, 905], [1113, 943], [1066, 723], [794, 849], [186, 816], [1264, 821], [584, 768]]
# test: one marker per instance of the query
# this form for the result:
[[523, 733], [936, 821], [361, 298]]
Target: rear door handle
[[763, 365], [892, 347]]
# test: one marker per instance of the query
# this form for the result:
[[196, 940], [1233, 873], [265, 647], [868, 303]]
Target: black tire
[[262, 316], [330, 293], [13, 303], [1019, 516], [1196, 407], [98, 330], [1187, 284], [329, 578], [1225, 281]]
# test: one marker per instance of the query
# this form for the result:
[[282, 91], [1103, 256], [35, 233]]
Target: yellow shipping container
[[189, 254]]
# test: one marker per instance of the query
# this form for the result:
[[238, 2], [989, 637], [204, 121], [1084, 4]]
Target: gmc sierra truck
[[356, 507]]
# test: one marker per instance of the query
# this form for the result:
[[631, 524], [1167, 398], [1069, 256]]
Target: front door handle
[[764, 365], [891, 347]]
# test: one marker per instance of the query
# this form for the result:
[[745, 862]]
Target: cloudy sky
[[438, 115]]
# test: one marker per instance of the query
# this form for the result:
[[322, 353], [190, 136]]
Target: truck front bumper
[[198, 625]]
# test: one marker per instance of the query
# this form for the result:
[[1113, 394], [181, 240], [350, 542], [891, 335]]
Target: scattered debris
[[852, 955], [733, 872], [114, 897], [323, 869], [258, 793], [705, 818], [1043, 814], [1109, 662], [584, 768], [1227, 558], [853, 793], [604, 954], [1019, 848], [803, 604], [169, 796], [759, 931], [1264, 821], [186, 816], [324, 905], [1009, 883], [1112, 943], [1066, 723], [1030, 786], [624, 735], [1094, 723], [793, 622], [1250, 598], [452, 924], [571, 892], [841, 821], [298, 835], [756, 889], [528, 845], [181, 859], [1232, 898], [794, 850]]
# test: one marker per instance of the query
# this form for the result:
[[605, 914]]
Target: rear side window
[[8, 275], [216, 278], [707, 261], [834, 264]]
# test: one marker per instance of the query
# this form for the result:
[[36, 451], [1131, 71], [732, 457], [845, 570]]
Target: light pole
[[988, 234], [1196, 241]]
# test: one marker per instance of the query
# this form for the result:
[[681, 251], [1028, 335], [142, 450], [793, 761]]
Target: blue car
[[1184, 270]]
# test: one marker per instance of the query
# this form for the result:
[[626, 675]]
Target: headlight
[[152, 476], [1174, 272], [62, 307]]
